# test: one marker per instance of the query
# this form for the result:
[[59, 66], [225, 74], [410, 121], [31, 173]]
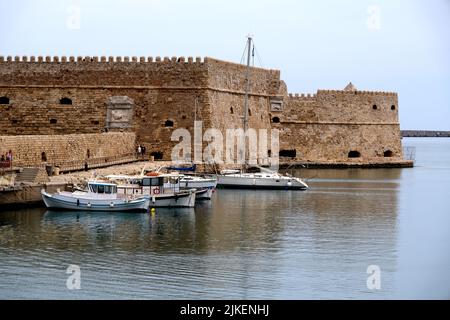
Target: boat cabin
[[103, 190], [152, 185]]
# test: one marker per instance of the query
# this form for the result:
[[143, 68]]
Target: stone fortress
[[62, 110]]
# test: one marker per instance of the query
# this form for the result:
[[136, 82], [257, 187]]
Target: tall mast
[[247, 83]]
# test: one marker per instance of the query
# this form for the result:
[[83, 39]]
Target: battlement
[[102, 59], [303, 96], [356, 92]]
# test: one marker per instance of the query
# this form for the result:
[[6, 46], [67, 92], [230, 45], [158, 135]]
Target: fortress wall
[[322, 143], [231, 76], [321, 126], [59, 149], [328, 125], [342, 106], [103, 72]]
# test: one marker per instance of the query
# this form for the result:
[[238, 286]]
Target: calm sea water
[[250, 244]]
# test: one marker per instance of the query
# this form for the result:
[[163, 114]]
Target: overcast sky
[[392, 45]]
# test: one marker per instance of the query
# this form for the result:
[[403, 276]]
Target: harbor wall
[[60, 150]]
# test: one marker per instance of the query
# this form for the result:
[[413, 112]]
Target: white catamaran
[[265, 179]]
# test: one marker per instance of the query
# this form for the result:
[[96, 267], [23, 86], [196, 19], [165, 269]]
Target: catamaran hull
[[184, 200], [251, 183], [57, 201]]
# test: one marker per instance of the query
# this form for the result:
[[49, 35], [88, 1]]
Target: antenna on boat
[[247, 81], [247, 89]]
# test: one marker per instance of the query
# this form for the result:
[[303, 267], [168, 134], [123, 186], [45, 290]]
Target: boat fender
[[111, 204], [153, 199], [89, 205]]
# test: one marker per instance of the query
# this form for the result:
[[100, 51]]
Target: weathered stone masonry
[[149, 98]]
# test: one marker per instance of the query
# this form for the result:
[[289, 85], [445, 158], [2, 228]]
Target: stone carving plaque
[[276, 105], [119, 112]]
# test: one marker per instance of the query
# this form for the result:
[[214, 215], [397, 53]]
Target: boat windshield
[[102, 188]]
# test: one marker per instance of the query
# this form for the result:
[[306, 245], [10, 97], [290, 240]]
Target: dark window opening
[[388, 154], [183, 116], [53, 121], [354, 154], [43, 157], [157, 155], [4, 100], [95, 122], [269, 153], [168, 123], [14, 121], [65, 101], [288, 153], [88, 153], [393, 107], [276, 120], [231, 110], [249, 112], [374, 107]]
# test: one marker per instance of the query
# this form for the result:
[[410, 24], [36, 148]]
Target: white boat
[[204, 186], [162, 190], [191, 181], [99, 196], [266, 179]]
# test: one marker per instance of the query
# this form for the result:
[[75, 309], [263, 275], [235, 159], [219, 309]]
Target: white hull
[[182, 199], [250, 181], [61, 201], [204, 194], [199, 183]]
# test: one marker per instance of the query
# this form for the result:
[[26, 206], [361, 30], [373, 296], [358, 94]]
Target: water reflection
[[242, 244]]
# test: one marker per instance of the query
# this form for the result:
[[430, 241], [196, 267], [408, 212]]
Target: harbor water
[[244, 244]]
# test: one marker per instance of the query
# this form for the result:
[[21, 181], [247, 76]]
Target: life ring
[[156, 190], [152, 174]]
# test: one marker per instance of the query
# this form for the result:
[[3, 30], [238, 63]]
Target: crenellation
[[79, 59], [103, 59], [17, 59], [9, 58], [110, 59], [150, 59], [174, 59], [2, 58], [158, 59], [95, 59], [190, 60], [24, 58], [198, 59], [166, 59], [134, 59], [141, 59], [56, 59], [118, 59], [48, 59]]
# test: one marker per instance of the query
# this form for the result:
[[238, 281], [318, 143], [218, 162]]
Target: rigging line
[[243, 53], [257, 55]]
